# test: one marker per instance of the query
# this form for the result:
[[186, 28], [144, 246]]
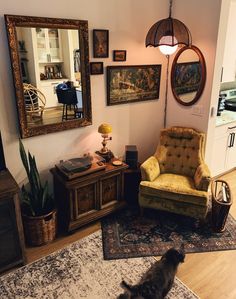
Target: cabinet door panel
[[6, 214], [219, 155], [86, 199], [9, 250], [110, 189], [231, 151]]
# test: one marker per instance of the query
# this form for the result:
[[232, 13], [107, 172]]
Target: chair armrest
[[150, 169], [202, 177]]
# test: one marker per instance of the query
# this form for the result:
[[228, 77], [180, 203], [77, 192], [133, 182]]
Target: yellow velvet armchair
[[176, 178]]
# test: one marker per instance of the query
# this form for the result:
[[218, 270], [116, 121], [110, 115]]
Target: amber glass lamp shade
[[104, 129]]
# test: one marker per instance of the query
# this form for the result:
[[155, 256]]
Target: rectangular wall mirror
[[50, 65]]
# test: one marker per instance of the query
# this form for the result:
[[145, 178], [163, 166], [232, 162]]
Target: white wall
[[220, 46], [229, 60], [138, 123], [202, 18]]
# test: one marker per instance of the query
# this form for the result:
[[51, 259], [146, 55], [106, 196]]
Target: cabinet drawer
[[110, 189], [225, 129]]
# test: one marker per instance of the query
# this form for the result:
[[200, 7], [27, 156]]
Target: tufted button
[[169, 155], [182, 166], [193, 148], [178, 155], [187, 156], [184, 146]]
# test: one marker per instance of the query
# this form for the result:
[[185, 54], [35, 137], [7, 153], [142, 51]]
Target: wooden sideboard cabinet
[[89, 197], [12, 248]]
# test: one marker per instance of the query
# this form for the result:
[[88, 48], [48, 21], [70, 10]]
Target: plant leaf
[[24, 157]]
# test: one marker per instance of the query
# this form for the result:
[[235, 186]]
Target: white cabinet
[[231, 148], [224, 149], [48, 88], [48, 45]]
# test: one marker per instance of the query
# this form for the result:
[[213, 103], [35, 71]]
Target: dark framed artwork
[[100, 43], [96, 68], [187, 77], [132, 83], [119, 55]]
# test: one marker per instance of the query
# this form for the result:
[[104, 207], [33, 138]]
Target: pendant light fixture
[[167, 34]]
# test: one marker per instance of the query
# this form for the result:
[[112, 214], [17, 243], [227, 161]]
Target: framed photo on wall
[[96, 68], [132, 83], [119, 55], [100, 43]]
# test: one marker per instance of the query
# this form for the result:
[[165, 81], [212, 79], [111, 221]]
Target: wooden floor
[[210, 275]]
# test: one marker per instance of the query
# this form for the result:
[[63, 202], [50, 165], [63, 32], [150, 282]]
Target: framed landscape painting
[[187, 77], [119, 55], [132, 83]]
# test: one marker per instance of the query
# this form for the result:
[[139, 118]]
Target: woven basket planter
[[40, 230]]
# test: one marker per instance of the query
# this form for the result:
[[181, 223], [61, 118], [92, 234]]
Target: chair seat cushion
[[175, 187]]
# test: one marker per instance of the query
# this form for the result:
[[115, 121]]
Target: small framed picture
[[119, 55], [100, 43], [96, 68]]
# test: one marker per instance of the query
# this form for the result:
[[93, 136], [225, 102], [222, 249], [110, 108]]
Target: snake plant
[[36, 199]]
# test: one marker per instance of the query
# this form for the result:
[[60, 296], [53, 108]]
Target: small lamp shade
[[104, 129]]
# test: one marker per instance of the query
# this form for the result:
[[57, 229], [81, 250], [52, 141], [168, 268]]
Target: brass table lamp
[[104, 130]]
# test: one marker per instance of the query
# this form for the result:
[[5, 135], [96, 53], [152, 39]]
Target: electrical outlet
[[197, 110]]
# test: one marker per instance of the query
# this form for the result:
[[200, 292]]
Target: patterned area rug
[[128, 235], [77, 272]]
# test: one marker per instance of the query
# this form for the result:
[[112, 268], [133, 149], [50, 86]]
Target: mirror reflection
[[188, 75], [51, 74], [50, 66]]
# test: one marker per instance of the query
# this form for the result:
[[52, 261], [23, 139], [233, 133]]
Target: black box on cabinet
[[2, 159], [131, 156]]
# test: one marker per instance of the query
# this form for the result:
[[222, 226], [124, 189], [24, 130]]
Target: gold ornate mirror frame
[[13, 22]]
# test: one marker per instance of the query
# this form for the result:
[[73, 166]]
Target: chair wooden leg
[[63, 112]]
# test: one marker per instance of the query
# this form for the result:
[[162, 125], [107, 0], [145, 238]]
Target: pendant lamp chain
[[170, 9]]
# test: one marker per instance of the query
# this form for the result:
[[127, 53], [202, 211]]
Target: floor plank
[[212, 274]]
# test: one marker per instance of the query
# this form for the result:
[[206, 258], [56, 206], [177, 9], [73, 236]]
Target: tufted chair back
[[180, 150]]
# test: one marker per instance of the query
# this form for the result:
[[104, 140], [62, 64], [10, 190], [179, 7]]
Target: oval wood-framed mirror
[[50, 66], [188, 75]]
